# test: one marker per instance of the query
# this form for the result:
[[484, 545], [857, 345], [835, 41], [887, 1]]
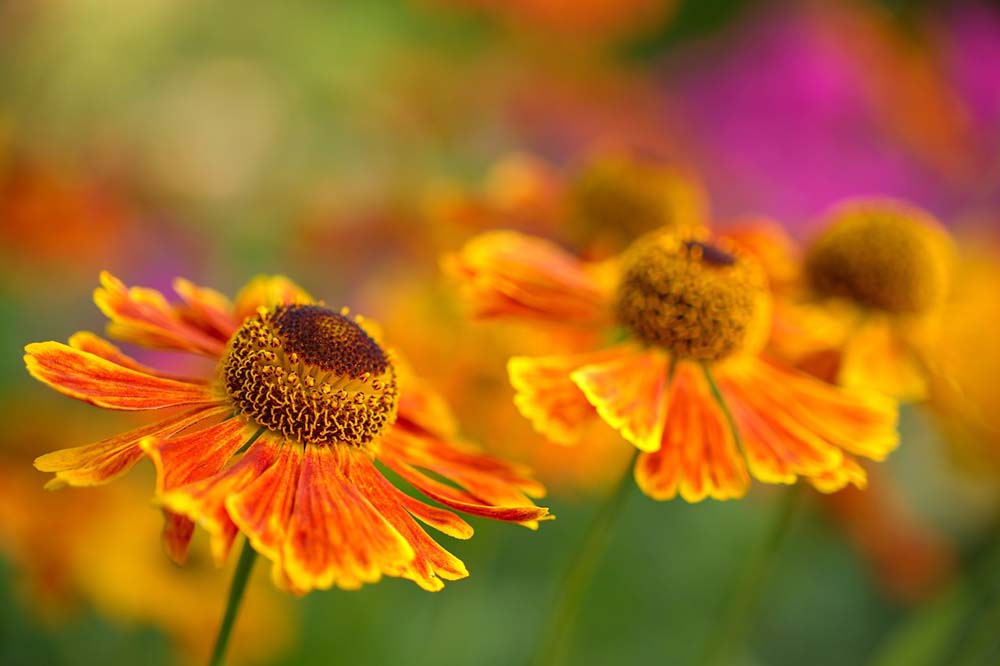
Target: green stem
[[556, 636], [732, 622], [240, 577]]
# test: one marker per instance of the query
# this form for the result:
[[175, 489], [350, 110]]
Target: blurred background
[[348, 145]]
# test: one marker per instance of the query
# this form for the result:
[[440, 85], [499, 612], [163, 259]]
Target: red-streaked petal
[[549, 399], [195, 454], [262, 508], [98, 463], [791, 424], [630, 394], [431, 562], [177, 533], [88, 342], [100, 382], [424, 409], [859, 421], [144, 316], [698, 457], [335, 535], [508, 274], [207, 309], [268, 291], [205, 501]]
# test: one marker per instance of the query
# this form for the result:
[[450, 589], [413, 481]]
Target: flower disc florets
[[312, 374], [694, 299], [883, 255]]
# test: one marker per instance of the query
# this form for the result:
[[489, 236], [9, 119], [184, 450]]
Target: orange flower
[[686, 383], [874, 286], [280, 443]]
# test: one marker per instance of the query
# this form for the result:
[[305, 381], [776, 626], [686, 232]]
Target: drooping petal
[[549, 399], [431, 561], [791, 424], [144, 316], [335, 536], [849, 472], [91, 378], [268, 291], [489, 487], [512, 275], [204, 501], [630, 394], [262, 508], [98, 463], [874, 357], [698, 457]]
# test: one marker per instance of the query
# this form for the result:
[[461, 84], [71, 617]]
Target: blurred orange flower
[[683, 377], [281, 441]]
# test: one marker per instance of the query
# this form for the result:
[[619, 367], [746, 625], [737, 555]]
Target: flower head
[[687, 382], [874, 285], [281, 441]]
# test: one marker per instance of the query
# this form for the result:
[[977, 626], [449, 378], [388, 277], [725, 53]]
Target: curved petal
[[93, 344], [630, 394], [91, 378], [549, 399], [144, 316], [197, 453], [490, 487], [268, 291], [335, 536], [512, 275], [698, 457], [791, 424], [98, 463], [431, 562]]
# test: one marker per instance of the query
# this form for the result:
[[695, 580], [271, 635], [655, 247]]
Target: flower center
[[694, 299], [311, 374], [882, 254]]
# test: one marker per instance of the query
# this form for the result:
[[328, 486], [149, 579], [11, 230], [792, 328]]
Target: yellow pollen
[[882, 254], [629, 198], [311, 374], [696, 300]]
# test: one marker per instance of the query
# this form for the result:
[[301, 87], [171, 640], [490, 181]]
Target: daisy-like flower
[[875, 283], [683, 376], [281, 441]]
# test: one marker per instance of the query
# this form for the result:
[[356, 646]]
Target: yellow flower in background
[[686, 382], [964, 395], [597, 205], [876, 280], [280, 441]]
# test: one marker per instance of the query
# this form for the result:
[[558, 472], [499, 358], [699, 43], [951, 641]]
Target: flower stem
[[732, 622], [240, 577], [554, 643]]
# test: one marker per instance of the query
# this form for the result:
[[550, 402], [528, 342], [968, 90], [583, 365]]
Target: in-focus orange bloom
[[874, 286], [281, 441], [682, 376]]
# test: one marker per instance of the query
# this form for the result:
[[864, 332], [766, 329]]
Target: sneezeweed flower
[[281, 441], [683, 378], [877, 280]]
